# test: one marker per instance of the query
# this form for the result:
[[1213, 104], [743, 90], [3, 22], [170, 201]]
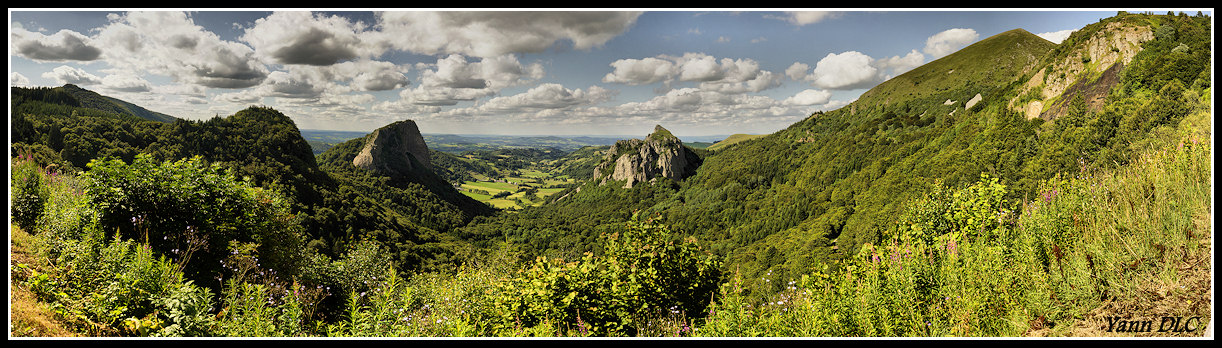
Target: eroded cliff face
[[397, 149], [660, 155], [1087, 70]]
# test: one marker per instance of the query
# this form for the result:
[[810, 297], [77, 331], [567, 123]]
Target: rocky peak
[[659, 155], [395, 149]]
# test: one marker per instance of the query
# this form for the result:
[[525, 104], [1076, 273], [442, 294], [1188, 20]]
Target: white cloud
[[699, 67], [453, 79], [241, 97], [170, 44], [370, 75], [949, 41], [741, 76], [640, 71], [797, 71], [723, 39], [898, 65], [17, 79], [846, 70], [64, 74], [809, 97], [725, 75], [1057, 36], [61, 46], [490, 34], [126, 82], [801, 18], [298, 37], [282, 84], [853, 70], [547, 96]]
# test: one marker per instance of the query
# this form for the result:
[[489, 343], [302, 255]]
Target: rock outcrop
[[397, 149], [660, 155], [1109, 48]]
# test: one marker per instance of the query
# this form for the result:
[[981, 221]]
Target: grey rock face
[[660, 155], [396, 149]]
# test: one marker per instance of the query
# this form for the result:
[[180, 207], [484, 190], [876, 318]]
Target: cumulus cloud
[[846, 70], [490, 34], [170, 43], [1057, 36], [949, 41], [285, 85], [17, 79], [725, 75], [64, 74], [640, 71], [61, 46], [897, 65], [453, 79], [801, 18], [369, 75], [853, 70], [547, 96], [126, 82], [809, 97], [699, 67], [298, 37]]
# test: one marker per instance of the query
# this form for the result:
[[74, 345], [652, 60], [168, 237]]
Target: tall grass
[[1089, 245]]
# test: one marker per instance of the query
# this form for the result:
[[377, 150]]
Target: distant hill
[[93, 100]]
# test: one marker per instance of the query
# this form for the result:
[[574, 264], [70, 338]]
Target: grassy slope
[[733, 139], [29, 317]]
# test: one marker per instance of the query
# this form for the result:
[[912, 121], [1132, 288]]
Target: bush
[[29, 192], [191, 211], [643, 273]]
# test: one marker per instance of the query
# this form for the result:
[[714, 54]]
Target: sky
[[502, 71]]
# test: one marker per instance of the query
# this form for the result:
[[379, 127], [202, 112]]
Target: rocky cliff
[[1089, 69], [396, 149], [660, 155]]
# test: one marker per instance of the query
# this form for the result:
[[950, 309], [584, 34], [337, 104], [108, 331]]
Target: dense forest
[[931, 206]]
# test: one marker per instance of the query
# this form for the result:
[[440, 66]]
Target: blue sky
[[504, 71]]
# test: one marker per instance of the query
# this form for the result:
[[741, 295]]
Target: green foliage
[[187, 311], [977, 211], [29, 192], [1085, 240], [192, 211], [642, 272]]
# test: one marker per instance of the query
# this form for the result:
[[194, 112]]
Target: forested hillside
[[1014, 188], [814, 193], [338, 208]]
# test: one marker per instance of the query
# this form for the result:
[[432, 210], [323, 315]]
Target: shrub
[[29, 192], [643, 273], [191, 211]]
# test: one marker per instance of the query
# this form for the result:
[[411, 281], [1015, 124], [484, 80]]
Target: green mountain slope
[[733, 139], [338, 206], [90, 99], [814, 193]]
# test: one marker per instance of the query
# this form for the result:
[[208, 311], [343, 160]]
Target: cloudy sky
[[501, 71]]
